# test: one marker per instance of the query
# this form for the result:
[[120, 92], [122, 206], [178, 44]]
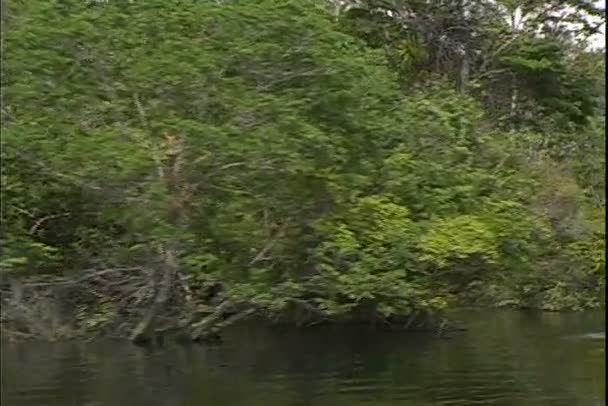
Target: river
[[504, 358]]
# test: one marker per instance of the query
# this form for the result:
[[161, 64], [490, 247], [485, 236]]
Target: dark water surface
[[505, 358]]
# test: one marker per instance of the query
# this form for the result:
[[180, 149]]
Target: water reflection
[[503, 359]]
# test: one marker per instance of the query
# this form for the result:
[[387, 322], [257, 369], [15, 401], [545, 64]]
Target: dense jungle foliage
[[377, 160]]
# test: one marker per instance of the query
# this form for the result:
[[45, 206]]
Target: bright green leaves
[[458, 239], [367, 257], [502, 233], [23, 254], [592, 252], [374, 226]]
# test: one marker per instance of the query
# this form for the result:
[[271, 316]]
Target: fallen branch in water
[[52, 307], [64, 281], [143, 329], [205, 326], [136, 303]]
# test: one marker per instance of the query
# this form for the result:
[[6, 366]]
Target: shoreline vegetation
[[176, 167]]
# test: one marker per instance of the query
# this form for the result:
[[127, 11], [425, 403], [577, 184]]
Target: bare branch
[[44, 219], [140, 111], [262, 253], [232, 165], [230, 190]]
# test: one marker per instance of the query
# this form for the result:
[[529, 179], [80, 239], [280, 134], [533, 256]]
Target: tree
[[171, 167]]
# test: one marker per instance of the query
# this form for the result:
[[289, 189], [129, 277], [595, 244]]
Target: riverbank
[[118, 302]]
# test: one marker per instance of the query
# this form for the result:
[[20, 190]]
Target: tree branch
[[262, 253], [44, 219]]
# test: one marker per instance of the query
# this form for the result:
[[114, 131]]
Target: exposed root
[[138, 304]]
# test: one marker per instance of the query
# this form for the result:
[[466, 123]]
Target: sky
[[599, 40]]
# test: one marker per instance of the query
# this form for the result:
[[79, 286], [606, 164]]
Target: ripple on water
[[503, 360]]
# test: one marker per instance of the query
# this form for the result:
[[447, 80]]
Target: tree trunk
[[465, 69], [170, 177], [465, 65], [514, 102], [165, 277]]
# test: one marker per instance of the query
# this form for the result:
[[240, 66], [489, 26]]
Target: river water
[[505, 358]]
